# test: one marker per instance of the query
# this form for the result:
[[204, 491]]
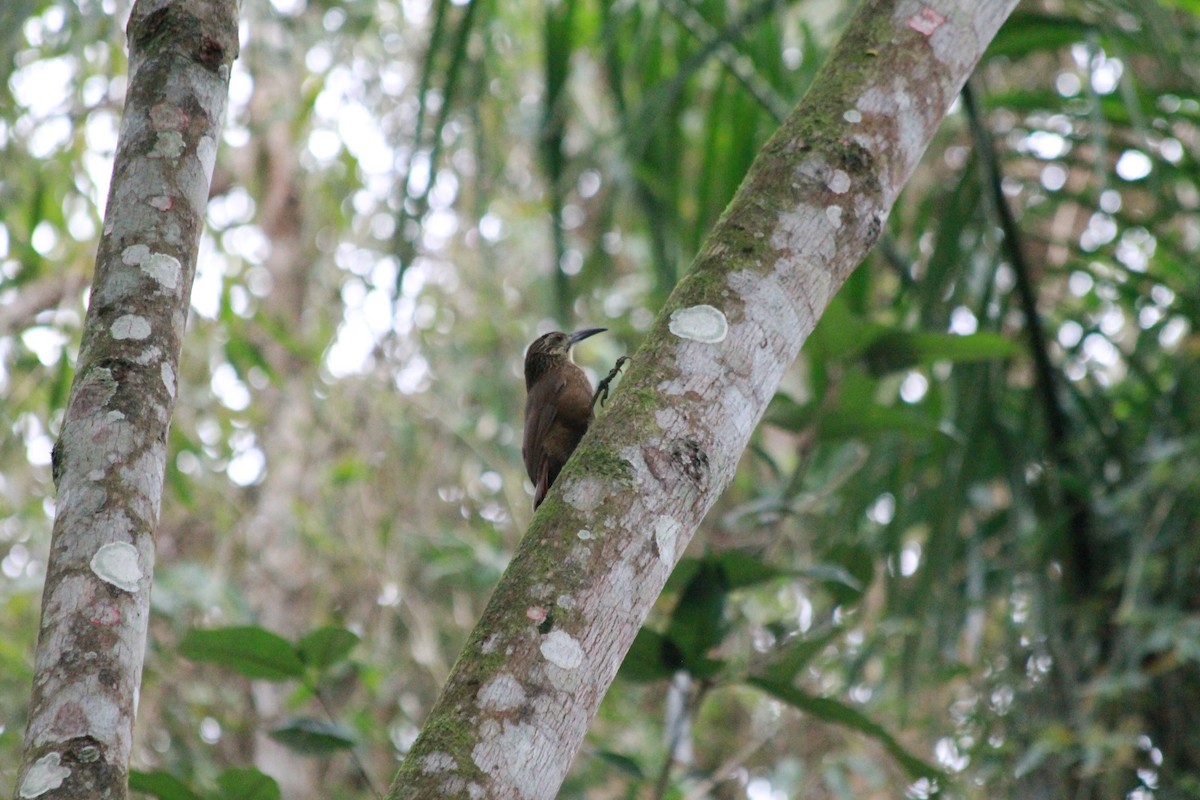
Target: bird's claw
[[602, 387]]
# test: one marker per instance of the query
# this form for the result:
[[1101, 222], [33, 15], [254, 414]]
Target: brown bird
[[558, 407]]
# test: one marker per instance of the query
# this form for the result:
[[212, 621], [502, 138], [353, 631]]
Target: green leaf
[[872, 420], [739, 569], [858, 563], [841, 714], [841, 335], [900, 350], [348, 470], [162, 785], [651, 657], [622, 762], [250, 651], [856, 416], [244, 354], [793, 658], [247, 783], [60, 387], [314, 737], [326, 646], [1027, 33], [682, 575], [697, 623]]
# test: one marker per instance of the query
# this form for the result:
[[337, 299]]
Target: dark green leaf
[[326, 646], [898, 350], [794, 657], [250, 651], [871, 420], [1027, 33], [856, 414], [651, 657], [682, 575], [739, 569], [247, 784], [856, 561], [697, 623], [314, 737], [162, 785], [842, 714], [840, 335], [623, 763], [784, 412]]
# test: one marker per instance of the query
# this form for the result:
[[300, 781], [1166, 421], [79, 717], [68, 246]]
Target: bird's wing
[[541, 409]]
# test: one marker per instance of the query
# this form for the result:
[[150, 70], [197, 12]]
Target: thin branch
[[1079, 518]]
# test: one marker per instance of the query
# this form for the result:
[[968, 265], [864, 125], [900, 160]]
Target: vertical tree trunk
[[110, 458], [520, 697]]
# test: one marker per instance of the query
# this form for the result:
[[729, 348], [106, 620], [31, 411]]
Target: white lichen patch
[[666, 534], [117, 563], [584, 534], [489, 644], [144, 477], [149, 355], [501, 693], [805, 233], [168, 378], [168, 144], [46, 774], [206, 151], [161, 202], [620, 589], [565, 601], [852, 116], [163, 268], [702, 323], [580, 554], [132, 256], [585, 494], [834, 214], [839, 182], [504, 752], [130, 326], [561, 650], [438, 762]]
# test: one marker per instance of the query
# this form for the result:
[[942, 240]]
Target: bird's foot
[[602, 387]]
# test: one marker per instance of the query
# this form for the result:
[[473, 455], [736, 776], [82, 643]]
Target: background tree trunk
[[110, 457], [520, 698]]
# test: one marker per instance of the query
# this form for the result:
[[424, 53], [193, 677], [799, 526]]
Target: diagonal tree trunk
[[519, 700], [110, 458]]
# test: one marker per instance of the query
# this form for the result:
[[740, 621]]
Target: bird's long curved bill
[[579, 336]]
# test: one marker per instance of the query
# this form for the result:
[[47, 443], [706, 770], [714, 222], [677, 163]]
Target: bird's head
[[552, 347]]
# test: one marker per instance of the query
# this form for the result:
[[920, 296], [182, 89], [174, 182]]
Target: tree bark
[[111, 455], [519, 699]]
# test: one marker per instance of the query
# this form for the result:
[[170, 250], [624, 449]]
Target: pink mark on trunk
[[926, 22], [105, 615]]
